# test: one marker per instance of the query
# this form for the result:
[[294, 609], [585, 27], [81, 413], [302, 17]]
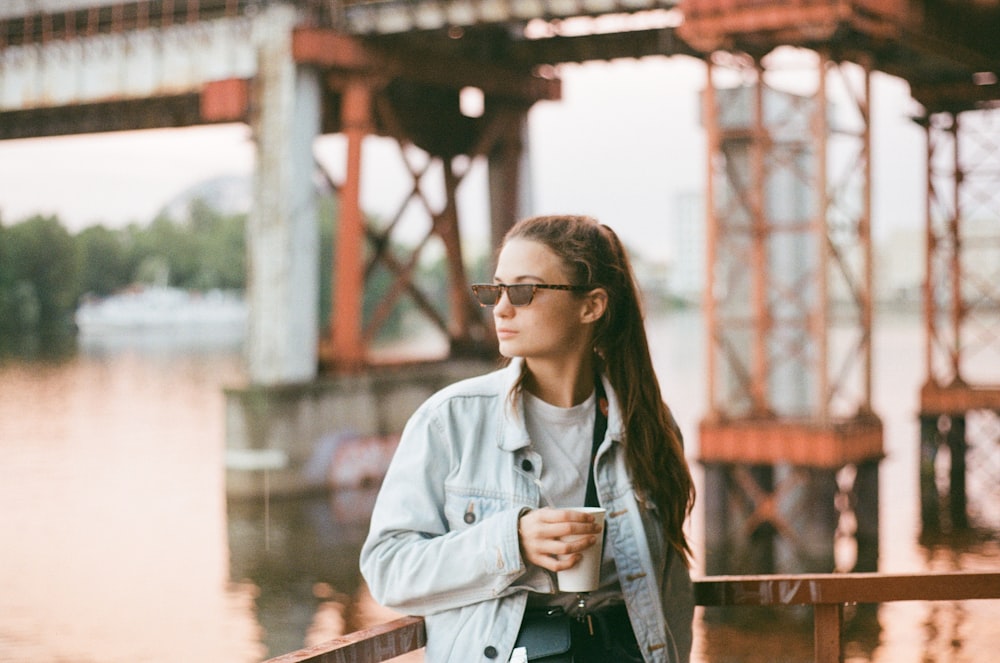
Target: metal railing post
[[828, 621]]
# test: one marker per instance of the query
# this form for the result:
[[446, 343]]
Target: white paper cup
[[585, 576]]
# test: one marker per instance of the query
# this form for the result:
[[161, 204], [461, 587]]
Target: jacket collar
[[513, 433]]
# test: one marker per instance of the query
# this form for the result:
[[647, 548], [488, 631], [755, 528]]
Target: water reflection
[[301, 555], [113, 520], [118, 543]]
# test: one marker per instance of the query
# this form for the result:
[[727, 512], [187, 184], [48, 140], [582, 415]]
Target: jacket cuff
[[516, 574]]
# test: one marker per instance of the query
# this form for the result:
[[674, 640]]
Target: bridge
[[789, 300]]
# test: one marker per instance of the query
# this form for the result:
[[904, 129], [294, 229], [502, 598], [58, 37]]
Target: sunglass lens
[[488, 295], [520, 294]]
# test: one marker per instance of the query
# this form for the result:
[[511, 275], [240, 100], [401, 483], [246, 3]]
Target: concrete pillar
[[930, 499], [719, 537], [866, 491], [282, 230], [937, 433], [956, 474], [809, 501], [757, 547]]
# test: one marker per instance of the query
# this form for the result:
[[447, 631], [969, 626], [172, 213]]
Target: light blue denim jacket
[[443, 541]]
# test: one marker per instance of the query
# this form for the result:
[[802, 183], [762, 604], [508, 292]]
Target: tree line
[[47, 271]]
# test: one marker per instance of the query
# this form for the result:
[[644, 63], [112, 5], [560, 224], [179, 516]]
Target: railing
[[826, 593]]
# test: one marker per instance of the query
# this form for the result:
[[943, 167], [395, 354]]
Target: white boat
[[160, 310]]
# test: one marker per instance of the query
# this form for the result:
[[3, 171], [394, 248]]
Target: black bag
[[546, 635]]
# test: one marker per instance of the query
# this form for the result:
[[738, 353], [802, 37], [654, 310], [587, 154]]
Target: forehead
[[525, 259]]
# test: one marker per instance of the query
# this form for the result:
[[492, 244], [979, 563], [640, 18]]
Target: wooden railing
[[826, 593]]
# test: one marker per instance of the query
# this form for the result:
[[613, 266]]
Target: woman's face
[[553, 324]]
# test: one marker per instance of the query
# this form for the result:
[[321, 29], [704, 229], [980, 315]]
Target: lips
[[505, 333]]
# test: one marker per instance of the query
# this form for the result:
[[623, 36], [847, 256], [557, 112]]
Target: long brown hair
[[654, 448]]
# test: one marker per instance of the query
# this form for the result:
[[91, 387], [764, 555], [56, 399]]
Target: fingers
[[552, 561], [546, 527], [553, 538], [554, 523], [558, 555], [557, 564]]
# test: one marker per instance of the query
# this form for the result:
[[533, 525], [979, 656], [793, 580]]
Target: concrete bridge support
[[790, 445], [283, 238]]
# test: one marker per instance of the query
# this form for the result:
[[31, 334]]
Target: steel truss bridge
[[789, 278]]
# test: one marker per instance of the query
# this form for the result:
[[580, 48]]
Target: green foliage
[[39, 275], [167, 242], [106, 263], [203, 253], [222, 249], [45, 271]]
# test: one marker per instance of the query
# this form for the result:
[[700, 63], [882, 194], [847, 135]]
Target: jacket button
[[526, 465], [490, 652]]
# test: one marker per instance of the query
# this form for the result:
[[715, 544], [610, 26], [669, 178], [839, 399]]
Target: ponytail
[[654, 450]]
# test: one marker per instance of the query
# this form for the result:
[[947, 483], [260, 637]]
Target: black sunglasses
[[519, 294]]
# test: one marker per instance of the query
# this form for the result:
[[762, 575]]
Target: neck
[[562, 383]]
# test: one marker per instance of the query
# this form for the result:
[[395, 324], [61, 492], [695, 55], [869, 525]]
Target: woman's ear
[[595, 305]]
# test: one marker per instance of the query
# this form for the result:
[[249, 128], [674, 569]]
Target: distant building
[[687, 239], [900, 265]]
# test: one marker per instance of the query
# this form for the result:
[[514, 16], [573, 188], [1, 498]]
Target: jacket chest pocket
[[464, 507]]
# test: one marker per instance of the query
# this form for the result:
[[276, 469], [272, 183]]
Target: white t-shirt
[[564, 438]]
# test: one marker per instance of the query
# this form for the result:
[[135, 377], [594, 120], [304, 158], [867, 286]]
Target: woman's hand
[[541, 533]]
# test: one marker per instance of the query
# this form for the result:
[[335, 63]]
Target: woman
[[468, 527]]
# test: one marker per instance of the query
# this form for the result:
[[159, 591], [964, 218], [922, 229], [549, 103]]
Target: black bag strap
[[600, 428]]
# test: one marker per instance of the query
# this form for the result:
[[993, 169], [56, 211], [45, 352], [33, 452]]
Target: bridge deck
[[948, 55]]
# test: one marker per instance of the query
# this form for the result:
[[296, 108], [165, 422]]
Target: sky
[[621, 145]]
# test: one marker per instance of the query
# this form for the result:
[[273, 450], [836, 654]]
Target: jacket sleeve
[[412, 560]]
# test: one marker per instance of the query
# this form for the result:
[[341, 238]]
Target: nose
[[503, 308]]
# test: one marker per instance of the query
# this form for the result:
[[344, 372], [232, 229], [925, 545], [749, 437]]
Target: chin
[[508, 351]]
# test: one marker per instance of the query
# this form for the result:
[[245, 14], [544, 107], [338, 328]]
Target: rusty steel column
[[960, 400], [506, 178], [346, 350], [459, 303], [759, 235], [788, 306], [714, 146]]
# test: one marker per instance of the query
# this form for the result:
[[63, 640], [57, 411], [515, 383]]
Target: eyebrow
[[519, 279]]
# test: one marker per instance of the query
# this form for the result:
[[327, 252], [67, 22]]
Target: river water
[[117, 543]]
